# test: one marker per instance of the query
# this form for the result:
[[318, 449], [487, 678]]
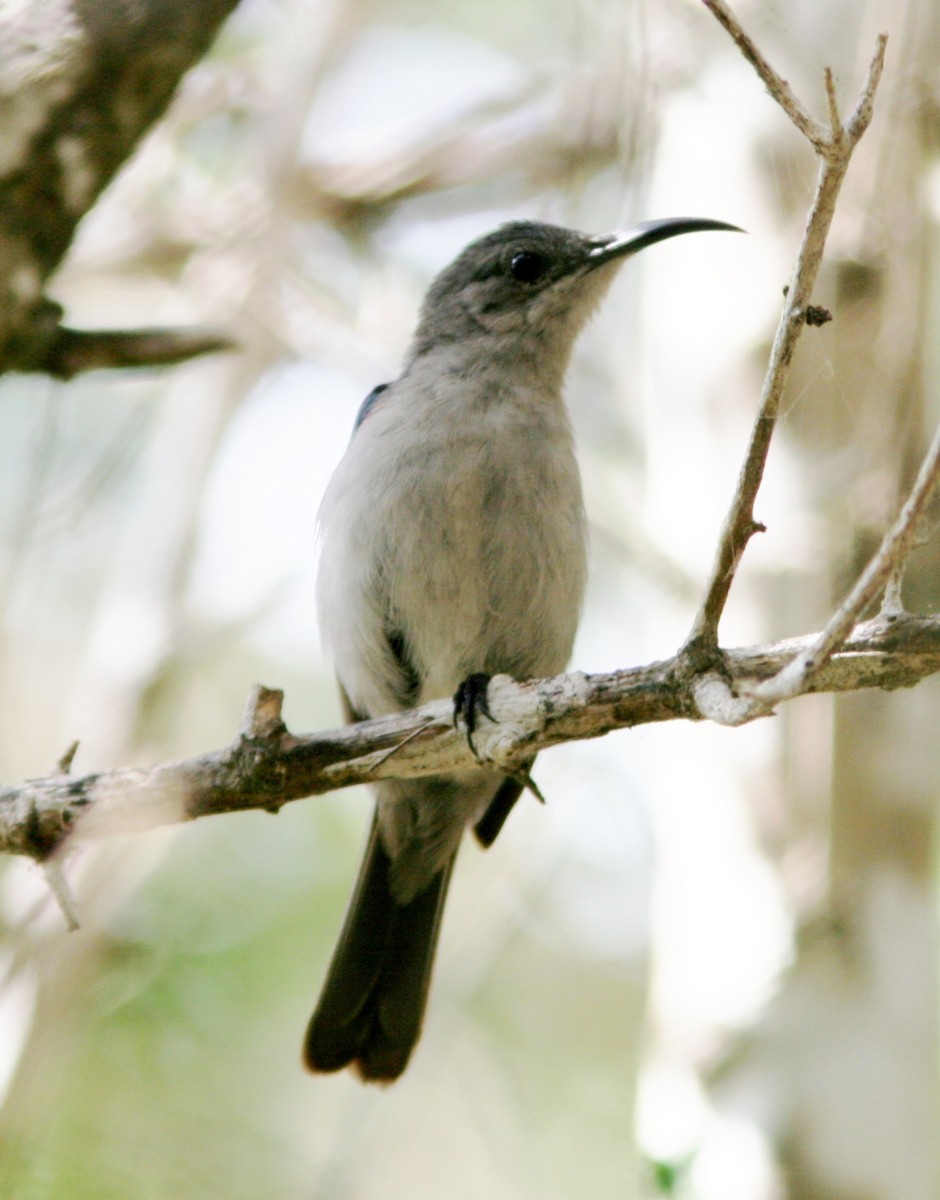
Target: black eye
[[527, 267]]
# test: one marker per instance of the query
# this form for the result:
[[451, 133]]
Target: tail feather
[[494, 817], [370, 1010]]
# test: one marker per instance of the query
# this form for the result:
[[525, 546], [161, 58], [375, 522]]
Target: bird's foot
[[470, 704]]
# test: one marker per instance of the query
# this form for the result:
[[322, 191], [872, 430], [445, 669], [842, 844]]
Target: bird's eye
[[527, 267]]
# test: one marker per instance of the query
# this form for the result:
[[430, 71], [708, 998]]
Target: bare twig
[[266, 766], [834, 147], [835, 120], [884, 566], [775, 84]]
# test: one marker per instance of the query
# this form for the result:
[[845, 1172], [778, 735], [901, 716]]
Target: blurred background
[[707, 969]]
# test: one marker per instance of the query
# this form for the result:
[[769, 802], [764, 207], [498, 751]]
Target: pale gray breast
[[488, 572]]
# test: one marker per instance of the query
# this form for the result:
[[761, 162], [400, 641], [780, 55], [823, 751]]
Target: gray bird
[[453, 549]]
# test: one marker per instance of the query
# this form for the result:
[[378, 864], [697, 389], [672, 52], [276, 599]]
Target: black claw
[[470, 702]]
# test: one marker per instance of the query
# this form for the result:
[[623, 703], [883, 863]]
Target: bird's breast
[[487, 572]]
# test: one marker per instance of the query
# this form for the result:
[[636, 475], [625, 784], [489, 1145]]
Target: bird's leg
[[470, 703]]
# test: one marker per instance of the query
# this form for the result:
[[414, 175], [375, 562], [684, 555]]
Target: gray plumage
[[453, 543]]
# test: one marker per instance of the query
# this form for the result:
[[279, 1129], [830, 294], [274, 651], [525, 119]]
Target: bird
[[453, 548]]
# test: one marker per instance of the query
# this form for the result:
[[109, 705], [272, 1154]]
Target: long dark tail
[[372, 1004]]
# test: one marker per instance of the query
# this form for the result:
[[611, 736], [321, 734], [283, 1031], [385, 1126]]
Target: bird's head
[[529, 285]]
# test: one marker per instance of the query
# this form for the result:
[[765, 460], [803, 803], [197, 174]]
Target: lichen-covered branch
[[266, 766]]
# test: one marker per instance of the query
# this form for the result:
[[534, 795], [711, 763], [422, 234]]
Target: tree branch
[[834, 148], [266, 766], [777, 86], [71, 352], [80, 83]]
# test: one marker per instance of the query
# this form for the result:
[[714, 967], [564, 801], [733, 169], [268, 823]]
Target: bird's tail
[[370, 1010]]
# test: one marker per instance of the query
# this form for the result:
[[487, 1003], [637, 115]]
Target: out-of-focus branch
[[545, 135], [79, 85], [70, 352], [834, 148], [266, 766]]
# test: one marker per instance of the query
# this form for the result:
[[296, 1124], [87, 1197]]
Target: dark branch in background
[[266, 766], [73, 351], [80, 85]]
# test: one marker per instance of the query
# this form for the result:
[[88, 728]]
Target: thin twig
[[836, 129], [861, 117], [777, 86], [835, 150], [884, 566], [396, 749]]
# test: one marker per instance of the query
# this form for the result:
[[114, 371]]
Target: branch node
[[717, 701], [815, 314]]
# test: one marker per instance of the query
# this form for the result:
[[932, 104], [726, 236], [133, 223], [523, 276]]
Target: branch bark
[[266, 766]]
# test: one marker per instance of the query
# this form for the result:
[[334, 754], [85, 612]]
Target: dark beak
[[619, 245]]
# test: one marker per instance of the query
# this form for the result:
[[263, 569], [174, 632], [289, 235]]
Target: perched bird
[[453, 548]]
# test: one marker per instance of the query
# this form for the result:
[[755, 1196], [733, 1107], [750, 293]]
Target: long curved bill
[[618, 245]]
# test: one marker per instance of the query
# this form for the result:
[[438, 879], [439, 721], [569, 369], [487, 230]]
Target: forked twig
[[834, 146]]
